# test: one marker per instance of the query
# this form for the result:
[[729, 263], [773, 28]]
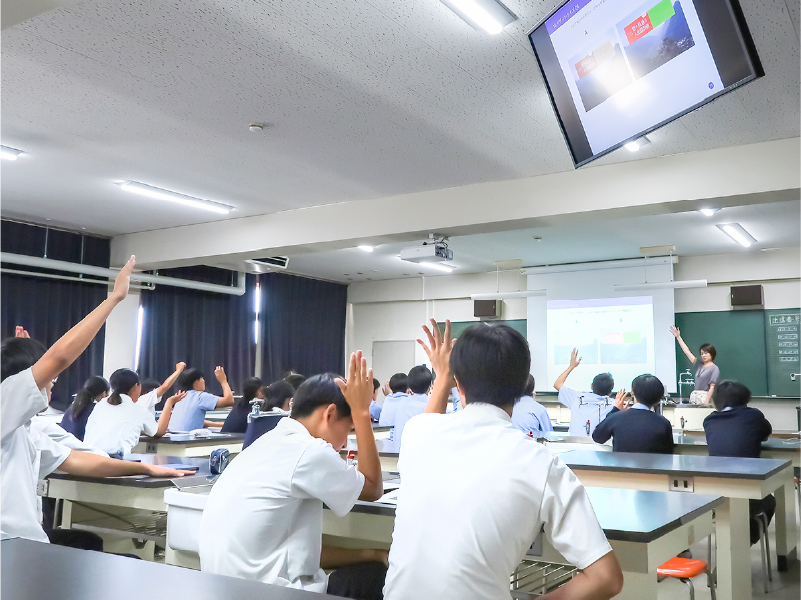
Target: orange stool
[[684, 569]]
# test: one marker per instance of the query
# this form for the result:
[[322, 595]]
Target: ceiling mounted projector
[[427, 253]]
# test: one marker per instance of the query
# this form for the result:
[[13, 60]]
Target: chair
[[259, 425], [684, 569], [764, 542]]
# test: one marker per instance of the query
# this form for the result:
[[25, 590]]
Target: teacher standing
[[707, 372]]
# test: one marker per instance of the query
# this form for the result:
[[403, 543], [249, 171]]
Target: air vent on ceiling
[[273, 262]]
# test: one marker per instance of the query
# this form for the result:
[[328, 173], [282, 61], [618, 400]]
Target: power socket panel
[[681, 484]]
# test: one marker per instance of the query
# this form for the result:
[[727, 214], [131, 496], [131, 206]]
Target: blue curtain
[[303, 325]]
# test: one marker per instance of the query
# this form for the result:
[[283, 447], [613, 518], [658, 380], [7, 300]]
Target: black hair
[[708, 348], [276, 394], [730, 394], [647, 389], [399, 383], [317, 391], [376, 384], [92, 388], [295, 380], [602, 384], [187, 379], [250, 389], [18, 354], [420, 379], [148, 385], [529, 389], [491, 364], [121, 380]]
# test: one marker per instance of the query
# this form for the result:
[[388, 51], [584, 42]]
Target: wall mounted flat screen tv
[[619, 69]]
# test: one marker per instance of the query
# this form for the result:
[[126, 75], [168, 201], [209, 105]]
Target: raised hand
[[575, 359], [180, 366], [123, 280], [675, 331], [19, 331], [358, 388], [219, 373], [438, 349], [620, 400], [386, 389], [176, 398]]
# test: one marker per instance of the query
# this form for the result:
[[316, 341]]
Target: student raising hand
[[219, 373], [123, 281], [620, 400], [358, 388], [575, 359], [439, 348], [19, 331]]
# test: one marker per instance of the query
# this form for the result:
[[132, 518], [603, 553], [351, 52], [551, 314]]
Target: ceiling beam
[[733, 176], [13, 12]]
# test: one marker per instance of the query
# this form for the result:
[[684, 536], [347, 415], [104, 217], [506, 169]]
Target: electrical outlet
[[42, 487], [681, 484], [150, 448]]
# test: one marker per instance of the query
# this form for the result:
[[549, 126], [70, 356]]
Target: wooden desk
[[188, 445], [34, 570]]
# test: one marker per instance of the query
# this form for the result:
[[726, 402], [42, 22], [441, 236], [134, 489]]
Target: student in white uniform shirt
[[419, 380], [395, 391], [117, 421], [263, 518], [587, 409], [476, 492], [152, 390], [28, 372]]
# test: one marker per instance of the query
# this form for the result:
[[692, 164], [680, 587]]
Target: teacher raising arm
[[706, 371]]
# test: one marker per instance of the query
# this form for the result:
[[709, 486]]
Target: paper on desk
[[389, 497]]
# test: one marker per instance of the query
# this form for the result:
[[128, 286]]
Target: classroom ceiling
[[360, 99], [774, 225]]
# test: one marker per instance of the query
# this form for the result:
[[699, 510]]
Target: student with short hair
[[190, 414], [395, 391], [476, 492], [375, 407], [637, 428], [28, 371], [736, 429], [74, 420], [263, 519], [419, 380], [295, 380], [237, 419], [586, 409], [528, 415], [278, 397], [153, 391], [117, 421]]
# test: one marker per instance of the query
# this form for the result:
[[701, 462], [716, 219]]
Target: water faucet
[[685, 379], [256, 409]]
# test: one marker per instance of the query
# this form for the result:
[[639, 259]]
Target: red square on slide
[[613, 338], [585, 66], [638, 28]]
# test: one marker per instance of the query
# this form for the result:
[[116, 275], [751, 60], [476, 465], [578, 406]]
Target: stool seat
[[682, 568]]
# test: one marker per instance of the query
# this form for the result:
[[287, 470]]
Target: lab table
[[184, 444], [35, 570]]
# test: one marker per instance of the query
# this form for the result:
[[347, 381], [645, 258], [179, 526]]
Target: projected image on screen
[[599, 71], [611, 334]]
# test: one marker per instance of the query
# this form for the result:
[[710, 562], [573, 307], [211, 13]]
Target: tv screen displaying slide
[[618, 69], [614, 335]]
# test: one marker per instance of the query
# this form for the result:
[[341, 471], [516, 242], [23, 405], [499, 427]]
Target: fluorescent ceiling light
[[736, 232], [489, 15], [366, 248], [635, 145], [708, 212], [689, 283], [508, 295], [9, 153], [438, 266], [159, 194]]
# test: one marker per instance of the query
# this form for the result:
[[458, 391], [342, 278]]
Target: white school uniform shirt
[[387, 418], [56, 433], [584, 406], [116, 428], [149, 401], [409, 407], [475, 493], [264, 516], [26, 455]]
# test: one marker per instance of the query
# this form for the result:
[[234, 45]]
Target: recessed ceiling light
[[9, 153], [438, 266], [366, 248], [635, 145], [159, 194], [489, 15], [708, 212], [736, 232]]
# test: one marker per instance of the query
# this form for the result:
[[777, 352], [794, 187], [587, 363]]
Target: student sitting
[[419, 385], [75, 417], [190, 414], [263, 519], [237, 419], [117, 421], [295, 380], [278, 397], [586, 409], [395, 391], [476, 492], [529, 416], [375, 407], [28, 372], [152, 390], [736, 429], [637, 429]]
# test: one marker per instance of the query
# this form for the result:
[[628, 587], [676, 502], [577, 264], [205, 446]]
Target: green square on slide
[[632, 338], [661, 13]]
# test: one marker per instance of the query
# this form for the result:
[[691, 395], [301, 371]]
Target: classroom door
[[390, 357]]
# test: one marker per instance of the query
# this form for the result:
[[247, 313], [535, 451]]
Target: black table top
[[189, 440], [143, 481], [680, 439], [709, 466], [35, 570]]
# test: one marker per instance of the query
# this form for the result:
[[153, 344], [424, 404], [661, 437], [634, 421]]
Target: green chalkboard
[[458, 327], [782, 344], [739, 338]]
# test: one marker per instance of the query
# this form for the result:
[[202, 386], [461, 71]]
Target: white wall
[[121, 335]]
